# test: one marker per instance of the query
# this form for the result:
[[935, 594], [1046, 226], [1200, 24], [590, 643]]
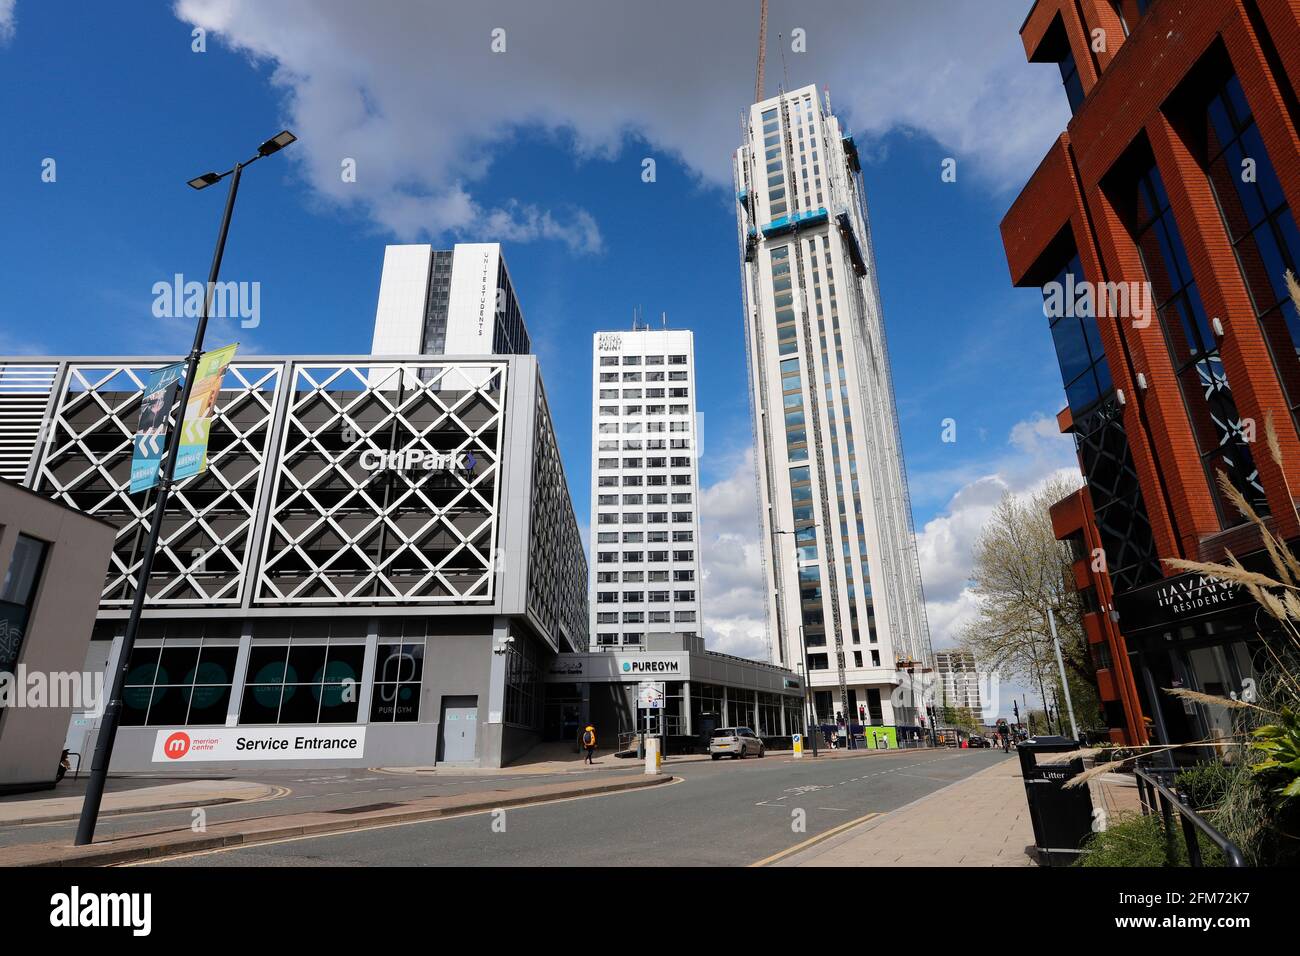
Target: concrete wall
[[455, 665], [58, 632]]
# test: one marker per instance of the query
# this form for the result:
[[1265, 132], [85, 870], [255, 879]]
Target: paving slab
[[168, 796], [982, 820]]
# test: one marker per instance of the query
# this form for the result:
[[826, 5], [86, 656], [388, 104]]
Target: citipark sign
[[417, 459]]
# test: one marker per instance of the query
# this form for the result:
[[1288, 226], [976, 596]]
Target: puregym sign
[[651, 667], [416, 459], [281, 743]]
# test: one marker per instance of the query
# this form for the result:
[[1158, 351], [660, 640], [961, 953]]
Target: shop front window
[[303, 683], [399, 669], [179, 683]]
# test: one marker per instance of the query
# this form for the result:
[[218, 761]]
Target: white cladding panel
[[399, 315], [471, 308]]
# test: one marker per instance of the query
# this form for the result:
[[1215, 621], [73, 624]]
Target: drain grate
[[368, 807]]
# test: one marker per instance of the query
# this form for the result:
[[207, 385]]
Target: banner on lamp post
[[150, 442], [192, 458]]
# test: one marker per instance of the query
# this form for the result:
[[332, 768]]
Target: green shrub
[[1206, 784], [1137, 840]]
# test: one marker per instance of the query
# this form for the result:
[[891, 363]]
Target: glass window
[[1084, 369], [1194, 350], [179, 684], [1259, 223], [395, 693], [17, 597], [1071, 81]]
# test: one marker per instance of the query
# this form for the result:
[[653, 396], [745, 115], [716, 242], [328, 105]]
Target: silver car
[[735, 742]]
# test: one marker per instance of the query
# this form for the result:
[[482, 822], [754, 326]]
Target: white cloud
[[7, 19], [412, 92], [734, 621], [1036, 453], [732, 589]]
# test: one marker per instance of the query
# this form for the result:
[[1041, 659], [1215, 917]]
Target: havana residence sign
[[1173, 601]]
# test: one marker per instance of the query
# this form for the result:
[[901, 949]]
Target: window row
[[284, 684], [609, 360], [642, 597], [636, 537]]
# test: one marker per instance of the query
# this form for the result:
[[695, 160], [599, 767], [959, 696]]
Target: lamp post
[[809, 710], [113, 712], [1060, 663], [807, 703]]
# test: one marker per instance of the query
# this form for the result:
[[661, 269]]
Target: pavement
[[145, 798], [981, 821], [561, 758]]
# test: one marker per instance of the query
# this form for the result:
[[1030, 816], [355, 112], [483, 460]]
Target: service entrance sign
[[272, 743]]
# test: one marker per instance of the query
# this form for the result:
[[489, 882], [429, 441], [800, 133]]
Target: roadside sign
[[650, 695]]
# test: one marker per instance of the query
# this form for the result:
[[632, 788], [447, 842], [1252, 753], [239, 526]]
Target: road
[[307, 790], [720, 814]]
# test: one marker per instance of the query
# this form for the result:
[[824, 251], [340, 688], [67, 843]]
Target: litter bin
[[1062, 818]]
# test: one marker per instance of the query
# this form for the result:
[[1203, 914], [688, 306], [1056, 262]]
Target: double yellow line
[[813, 840]]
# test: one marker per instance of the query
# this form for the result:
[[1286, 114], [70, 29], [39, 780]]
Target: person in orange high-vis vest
[[589, 743]]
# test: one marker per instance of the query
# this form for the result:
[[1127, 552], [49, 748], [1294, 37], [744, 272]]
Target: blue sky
[[541, 147]]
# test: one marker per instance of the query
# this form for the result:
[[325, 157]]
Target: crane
[[762, 52]]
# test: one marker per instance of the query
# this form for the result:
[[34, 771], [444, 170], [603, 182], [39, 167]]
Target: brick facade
[[1133, 90]]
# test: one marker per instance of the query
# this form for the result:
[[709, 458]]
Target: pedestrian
[[589, 743]]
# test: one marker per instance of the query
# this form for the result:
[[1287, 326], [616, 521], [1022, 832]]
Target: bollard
[[653, 760], [797, 740]]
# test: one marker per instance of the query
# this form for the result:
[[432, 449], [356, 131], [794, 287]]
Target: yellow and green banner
[[192, 458]]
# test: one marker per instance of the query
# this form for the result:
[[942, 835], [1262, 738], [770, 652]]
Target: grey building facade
[[52, 561], [375, 570]]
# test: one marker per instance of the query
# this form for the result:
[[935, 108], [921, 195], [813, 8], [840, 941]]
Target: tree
[[1021, 571], [962, 718]]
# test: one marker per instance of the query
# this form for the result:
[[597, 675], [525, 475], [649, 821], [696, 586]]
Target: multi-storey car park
[[381, 564]]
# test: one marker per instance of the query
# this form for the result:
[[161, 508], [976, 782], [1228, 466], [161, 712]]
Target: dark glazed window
[[17, 595], [1260, 224], [1193, 348], [176, 684]]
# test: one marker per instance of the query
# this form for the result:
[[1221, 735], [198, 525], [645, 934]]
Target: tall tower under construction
[[844, 597]]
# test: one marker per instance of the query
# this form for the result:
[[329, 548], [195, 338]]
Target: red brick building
[[1160, 226]]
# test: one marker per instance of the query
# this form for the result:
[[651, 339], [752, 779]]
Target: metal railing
[[1156, 797]]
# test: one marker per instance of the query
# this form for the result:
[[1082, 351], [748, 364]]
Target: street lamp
[[1060, 663], [113, 713], [809, 711]]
